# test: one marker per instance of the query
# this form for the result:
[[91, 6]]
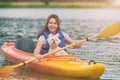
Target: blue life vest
[[47, 46]]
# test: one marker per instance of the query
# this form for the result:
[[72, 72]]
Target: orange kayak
[[65, 65]]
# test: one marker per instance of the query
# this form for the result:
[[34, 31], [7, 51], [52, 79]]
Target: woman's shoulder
[[42, 39]]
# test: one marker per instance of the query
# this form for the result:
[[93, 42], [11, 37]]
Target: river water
[[78, 23]]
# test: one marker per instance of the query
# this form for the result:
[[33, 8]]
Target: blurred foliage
[[47, 1], [5, 3], [53, 0]]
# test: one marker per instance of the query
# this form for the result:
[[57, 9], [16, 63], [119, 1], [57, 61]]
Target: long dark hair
[[45, 27]]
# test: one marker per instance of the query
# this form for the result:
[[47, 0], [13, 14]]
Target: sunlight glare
[[116, 3]]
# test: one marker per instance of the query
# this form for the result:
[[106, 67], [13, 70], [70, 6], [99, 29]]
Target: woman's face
[[52, 25]]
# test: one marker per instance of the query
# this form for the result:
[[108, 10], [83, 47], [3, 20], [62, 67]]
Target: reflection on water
[[101, 50]]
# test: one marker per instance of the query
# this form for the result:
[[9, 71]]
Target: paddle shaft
[[24, 63]]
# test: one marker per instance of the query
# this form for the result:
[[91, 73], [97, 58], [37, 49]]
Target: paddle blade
[[110, 30], [6, 69]]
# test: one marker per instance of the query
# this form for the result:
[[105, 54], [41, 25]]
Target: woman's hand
[[78, 44], [38, 56]]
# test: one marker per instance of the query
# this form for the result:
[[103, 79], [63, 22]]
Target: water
[[78, 23]]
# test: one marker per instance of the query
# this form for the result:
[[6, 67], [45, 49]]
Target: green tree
[[47, 2]]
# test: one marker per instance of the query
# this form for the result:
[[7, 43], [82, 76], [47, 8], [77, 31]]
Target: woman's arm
[[68, 40], [37, 49]]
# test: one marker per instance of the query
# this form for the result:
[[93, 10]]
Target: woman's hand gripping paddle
[[105, 33]]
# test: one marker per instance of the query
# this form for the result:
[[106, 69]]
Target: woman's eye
[[50, 22]]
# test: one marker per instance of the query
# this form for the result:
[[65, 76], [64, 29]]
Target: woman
[[52, 26]]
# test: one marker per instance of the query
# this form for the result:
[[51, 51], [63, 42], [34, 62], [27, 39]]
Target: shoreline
[[54, 5]]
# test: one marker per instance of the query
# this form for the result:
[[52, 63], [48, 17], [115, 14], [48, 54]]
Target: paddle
[[105, 33]]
